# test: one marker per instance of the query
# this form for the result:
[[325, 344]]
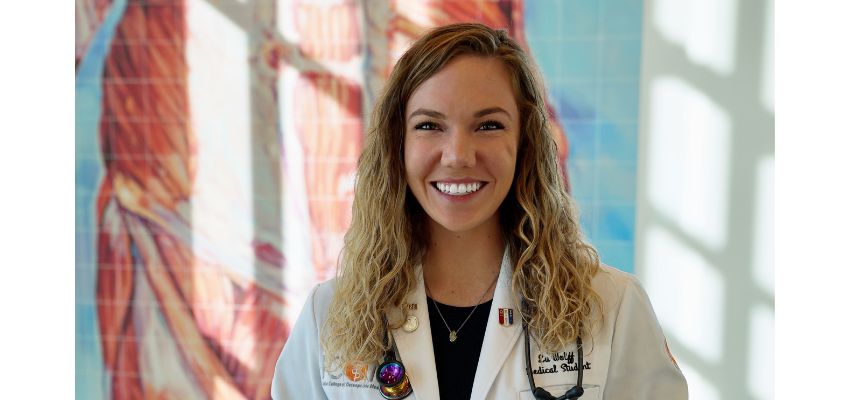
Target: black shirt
[[456, 362]]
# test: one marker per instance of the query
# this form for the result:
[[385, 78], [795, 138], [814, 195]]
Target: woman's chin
[[459, 225]]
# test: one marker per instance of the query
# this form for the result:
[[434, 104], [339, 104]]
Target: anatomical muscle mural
[[217, 142]]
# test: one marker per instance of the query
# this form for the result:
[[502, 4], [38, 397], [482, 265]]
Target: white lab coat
[[626, 359]]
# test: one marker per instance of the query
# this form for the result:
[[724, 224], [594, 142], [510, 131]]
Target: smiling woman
[[463, 240]]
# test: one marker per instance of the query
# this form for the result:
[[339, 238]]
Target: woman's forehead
[[465, 86]]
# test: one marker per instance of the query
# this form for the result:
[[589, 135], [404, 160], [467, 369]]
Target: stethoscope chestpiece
[[393, 379]]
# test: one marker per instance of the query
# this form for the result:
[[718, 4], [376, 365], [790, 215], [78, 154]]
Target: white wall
[[704, 229]]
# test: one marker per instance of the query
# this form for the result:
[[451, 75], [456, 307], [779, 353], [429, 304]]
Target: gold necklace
[[453, 333]]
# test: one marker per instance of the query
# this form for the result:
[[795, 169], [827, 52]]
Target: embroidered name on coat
[[558, 363]]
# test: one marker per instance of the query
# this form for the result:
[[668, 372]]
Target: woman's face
[[460, 144]]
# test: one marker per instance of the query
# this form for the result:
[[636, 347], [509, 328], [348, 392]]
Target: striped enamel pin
[[506, 316]]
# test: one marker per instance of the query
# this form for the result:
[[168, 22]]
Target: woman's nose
[[459, 150]]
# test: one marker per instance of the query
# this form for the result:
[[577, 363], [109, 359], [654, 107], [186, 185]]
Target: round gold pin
[[410, 324]]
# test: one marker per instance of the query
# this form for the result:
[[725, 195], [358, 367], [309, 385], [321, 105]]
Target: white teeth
[[458, 189]]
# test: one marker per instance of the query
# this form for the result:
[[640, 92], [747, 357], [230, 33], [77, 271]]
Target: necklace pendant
[[452, 336]]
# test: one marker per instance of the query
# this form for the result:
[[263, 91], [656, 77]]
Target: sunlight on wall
[[295, 208], [221, 209], [761, 346], [706, 190], [687, 293], [699, 388], [706, 30], [689, 159], [767, 66], [296, 233], [763, 232]]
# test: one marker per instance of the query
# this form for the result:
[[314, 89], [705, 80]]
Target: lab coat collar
[[416, 350], [499, 340]]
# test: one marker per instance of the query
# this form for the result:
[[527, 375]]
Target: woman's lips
[[458, 188]]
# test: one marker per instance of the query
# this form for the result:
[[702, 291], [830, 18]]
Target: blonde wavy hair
[[552, 265]]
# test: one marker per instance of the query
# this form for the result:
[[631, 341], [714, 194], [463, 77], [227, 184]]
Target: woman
[[464, 264]]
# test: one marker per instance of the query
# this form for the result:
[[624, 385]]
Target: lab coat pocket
[[591, 392]]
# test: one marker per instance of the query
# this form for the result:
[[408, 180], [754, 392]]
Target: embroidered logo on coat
[[669, 354], [356, 370], [358, 375]]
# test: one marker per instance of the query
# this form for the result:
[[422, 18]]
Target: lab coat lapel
[[416, 350], [499, 340]]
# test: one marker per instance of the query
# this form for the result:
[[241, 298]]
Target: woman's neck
[[460, 267]]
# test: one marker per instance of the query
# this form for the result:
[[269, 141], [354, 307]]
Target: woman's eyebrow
[[492, 110], [478, 114], [427, 112]]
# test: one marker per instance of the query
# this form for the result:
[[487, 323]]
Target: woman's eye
[[491, 125], [426, 126]]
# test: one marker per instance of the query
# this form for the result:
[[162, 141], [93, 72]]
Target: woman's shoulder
[[613, 285], [612, 280], [324, 291], [320, 298]]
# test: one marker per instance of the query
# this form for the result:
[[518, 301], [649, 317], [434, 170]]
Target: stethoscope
[[394, 384]]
